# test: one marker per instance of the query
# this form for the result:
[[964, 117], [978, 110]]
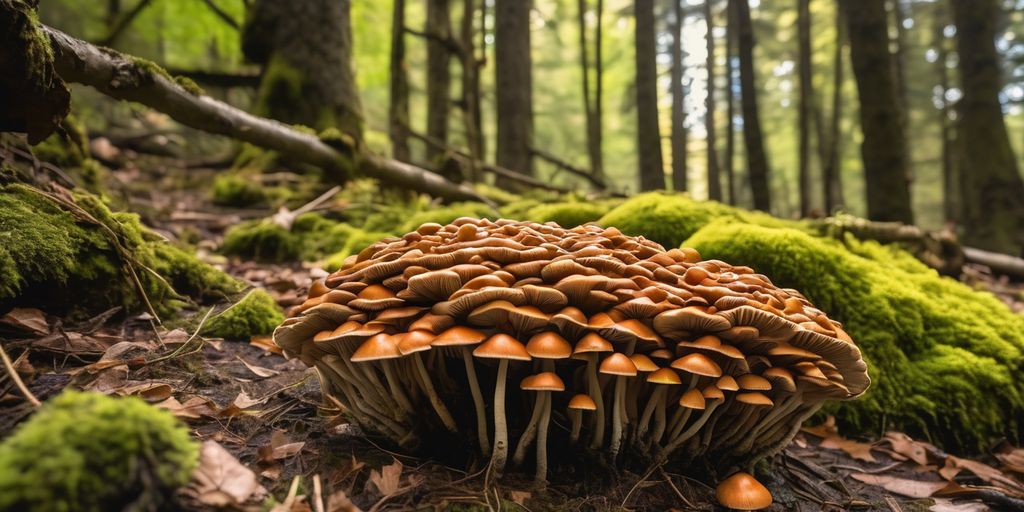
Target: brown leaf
[[947, 505], [388, 479], [242, 402], [904, 445], [193, 408], [221, 481], [339, 502], [149, 391], [859, 451], [983, 471], [1012, 459], [28, 320], [520, 497], [71, 343], [901, 486], [824, 430], [266, 343], [258, 370]]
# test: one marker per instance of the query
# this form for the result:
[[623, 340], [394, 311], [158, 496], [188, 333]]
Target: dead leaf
[[1012, 458], [28, 320], [989, 474], [339, 502], [242, 402], [387, 480], [266, 343], [520, 497], [824, 430], [194, 408], [149, 391], [946, 505], [258, 370], [221, 481], [901, 486], [71, 343], [859, 451], [904, 445]]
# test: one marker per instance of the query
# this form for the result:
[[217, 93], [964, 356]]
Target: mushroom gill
[[452, 328]]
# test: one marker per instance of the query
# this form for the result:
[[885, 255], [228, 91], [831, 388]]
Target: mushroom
[[753, 360], [544, 383], [504, 348], [743, 492]]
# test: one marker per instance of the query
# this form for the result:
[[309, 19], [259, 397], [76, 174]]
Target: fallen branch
[[218, 79], [119, 76], [13, 373], [999, 263], [566, 166]]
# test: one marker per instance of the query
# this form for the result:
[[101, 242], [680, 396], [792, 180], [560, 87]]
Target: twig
[[224, 16], [637, 484], [668, 480], [17, 378], [178, 350], [124, 21], [318, 494], [292, 492]]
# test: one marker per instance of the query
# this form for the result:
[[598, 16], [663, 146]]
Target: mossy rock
[[570, 214], [91, 452], [311, 237], [670, 218], [236, 191], [48, 248], [944, 359], [255, 314]]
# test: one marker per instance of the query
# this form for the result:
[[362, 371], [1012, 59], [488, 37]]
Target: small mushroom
[[577, 405], [621, 367], [464, 338], [545, 348], [743, 492], [544, 383], [504, 348]]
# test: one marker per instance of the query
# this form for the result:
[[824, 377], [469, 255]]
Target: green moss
[[91, 452], [944, 359], [570, 214], [237, 191], [254, 315], [47, 249], [671, 218], [189, 85], [261, 240]]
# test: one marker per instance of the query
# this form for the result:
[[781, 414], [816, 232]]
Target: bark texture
[[438, 72], [729, 162], [679, 132], [757, 159], [991, 188], [513, 85], [806, 100], [651, 170], [592, 101], [398, 101], [884, 149], [714, 179]]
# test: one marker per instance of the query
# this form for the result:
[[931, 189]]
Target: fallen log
[[125, 78], [1005, 264]]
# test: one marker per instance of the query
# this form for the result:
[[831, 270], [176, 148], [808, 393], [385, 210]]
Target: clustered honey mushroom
[[495, 327]]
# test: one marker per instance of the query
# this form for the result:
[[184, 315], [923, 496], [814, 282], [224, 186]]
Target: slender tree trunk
[[398, 105], [471, 86], [679, 130], [652, 174], [884, 148], [757, 159], [829, 142], [950, 200], [899, 58], [513, 85], [438, 73], [714, 180], [306, 49], [806, 100], [729, 163], [590, 102], [992, 193]]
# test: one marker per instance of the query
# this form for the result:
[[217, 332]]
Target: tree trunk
[[306, 49], [884, 148], [652, 174], [806, 100], [398, 104], [471, 114], [950, 201], [679, 130], [757, 159], [830, 143], [992, 193], [899, 59], [513, 85], [591, 104], [714, 180], [729, 163], [438, 28]]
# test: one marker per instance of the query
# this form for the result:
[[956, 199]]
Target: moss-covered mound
[[237, 191], [65, 252], [254, 315], [91, 452], [945, 360], [571, 213], [671, 218]]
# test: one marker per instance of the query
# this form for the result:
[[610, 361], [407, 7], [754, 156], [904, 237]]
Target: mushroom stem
[[388, 424], [594, 388], [679, 419], [478, 400], [370, 396], [576, 416], [617, 420], [541, 473], [688, 433], [767, 423], [435, 401], [394, 383], [780, 442], [500, 452], [658, 396], [519, 455], [659, 421]]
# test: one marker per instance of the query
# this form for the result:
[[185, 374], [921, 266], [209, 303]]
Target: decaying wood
[[121, 77], [999, 263]]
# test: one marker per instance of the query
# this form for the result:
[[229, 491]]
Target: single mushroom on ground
[[683, 359]]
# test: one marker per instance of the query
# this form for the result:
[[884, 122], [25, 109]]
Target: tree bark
[[472, 116], [830, 142], [398, 104], [438, 73], [950, 201], [729, 162], [757, 159], [306, 49], [591, 103], [806, 100], [652, 174], [884, 148], [992, 193], [513, 85], [679, 131], [123, 78], [714, 179]]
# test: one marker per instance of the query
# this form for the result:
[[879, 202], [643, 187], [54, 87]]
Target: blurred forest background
[[761, 104]]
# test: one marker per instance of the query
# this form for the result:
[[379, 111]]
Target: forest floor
[[269, 439]]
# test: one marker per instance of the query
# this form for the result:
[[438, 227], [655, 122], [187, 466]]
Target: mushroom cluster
[[514, 331]]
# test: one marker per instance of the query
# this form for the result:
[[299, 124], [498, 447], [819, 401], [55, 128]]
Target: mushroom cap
[[582, 402], [376, 347], [544, 381], [728, 383], [698, 364], [643, 363], [592, 342], [549, 345], [664, 376], [712, 392], [458, 335], [502, 346], [692, 399], [749, 381], [618, 364], [754, 398], [741, 491], [414, 341]]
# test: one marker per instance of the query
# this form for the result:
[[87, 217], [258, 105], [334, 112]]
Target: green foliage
[[255, 314], [665, 218], [46, 250], [91, 452], [261, 240], [944, 359], [237, 191], [446, 214], [571, 213]]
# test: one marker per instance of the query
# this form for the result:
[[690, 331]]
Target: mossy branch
[[122, 77]]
